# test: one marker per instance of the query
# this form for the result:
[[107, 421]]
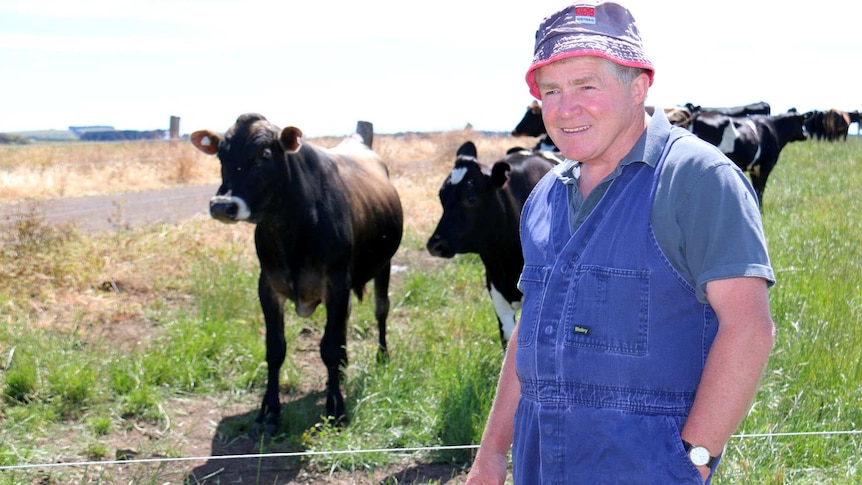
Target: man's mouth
[[575, 130]]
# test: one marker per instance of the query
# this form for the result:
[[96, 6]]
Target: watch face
[[699, 455]]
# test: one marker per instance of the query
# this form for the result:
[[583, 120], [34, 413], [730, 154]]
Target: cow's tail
[[366, 130]]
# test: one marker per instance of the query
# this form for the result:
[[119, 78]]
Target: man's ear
[[640, 88]]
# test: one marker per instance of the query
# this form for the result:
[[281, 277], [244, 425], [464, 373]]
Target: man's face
[[589, 114]]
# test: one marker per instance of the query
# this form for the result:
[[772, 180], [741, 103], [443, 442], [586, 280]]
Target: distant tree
[[10, 139]]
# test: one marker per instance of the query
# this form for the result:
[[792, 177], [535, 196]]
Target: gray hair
[[623, 74]]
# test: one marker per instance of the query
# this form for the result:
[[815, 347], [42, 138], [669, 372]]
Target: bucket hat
[[603, 29]]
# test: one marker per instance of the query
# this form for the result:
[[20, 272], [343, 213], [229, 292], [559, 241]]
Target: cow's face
[[798, 132], [468, 198], [252, 160]]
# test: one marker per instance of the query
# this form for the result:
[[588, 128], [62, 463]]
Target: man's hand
[[704, 472]]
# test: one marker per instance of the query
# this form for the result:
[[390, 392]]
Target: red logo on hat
[[585, 15]]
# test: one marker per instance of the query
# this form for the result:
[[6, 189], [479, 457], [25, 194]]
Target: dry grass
[[104, 282], [418, 164], [69, 170]]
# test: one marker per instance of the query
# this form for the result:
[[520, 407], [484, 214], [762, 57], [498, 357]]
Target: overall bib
[[611, 346]]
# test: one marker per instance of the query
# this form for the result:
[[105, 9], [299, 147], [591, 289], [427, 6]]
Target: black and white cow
[[855, 117], [532, 124], [328, 221], [752, 142], [758, 108], [482, 213]]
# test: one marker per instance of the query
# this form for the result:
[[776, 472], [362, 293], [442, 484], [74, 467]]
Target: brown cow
[[835, 125], [327, 222]]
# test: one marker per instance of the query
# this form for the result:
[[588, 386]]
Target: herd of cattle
[[749, 134], [328, 221]]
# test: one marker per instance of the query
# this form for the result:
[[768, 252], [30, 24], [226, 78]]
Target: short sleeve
[[706, 217]]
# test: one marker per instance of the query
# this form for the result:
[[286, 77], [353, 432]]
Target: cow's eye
[[471, 201], [264, 158]]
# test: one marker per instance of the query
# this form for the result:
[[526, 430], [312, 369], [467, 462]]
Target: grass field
[[105, 335]]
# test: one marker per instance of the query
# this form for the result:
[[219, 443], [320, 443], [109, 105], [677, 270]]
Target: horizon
[[134, 64]]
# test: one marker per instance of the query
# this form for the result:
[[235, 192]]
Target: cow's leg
[[503, 340], [273, 313], [381, 310], [505, 311], [758, 182], [333, 346]]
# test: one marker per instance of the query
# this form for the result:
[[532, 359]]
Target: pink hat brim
[[531, 73]]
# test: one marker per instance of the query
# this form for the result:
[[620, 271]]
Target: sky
[[405, 66]]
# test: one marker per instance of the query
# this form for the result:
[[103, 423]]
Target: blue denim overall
[[611, 345]]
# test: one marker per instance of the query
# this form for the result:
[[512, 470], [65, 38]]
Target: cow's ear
[[500, 174], [206, 141], [290, 139]]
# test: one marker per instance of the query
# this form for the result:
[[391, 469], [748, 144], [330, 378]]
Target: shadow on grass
[[427, 473], [234, 437]]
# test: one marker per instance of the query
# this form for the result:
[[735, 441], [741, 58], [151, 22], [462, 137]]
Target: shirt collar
[[647, 150]]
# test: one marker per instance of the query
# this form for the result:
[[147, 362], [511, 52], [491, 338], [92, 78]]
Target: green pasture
[[445, 353]]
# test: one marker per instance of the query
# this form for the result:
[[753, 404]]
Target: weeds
[[101, 336]]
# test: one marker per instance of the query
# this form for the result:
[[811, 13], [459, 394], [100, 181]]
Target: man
[[646, 324]]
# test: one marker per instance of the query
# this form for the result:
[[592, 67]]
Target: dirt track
[[103, 212]]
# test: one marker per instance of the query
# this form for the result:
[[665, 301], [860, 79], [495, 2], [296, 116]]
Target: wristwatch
[[698, 455]]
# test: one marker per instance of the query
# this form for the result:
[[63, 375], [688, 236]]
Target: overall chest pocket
[[607, 310]]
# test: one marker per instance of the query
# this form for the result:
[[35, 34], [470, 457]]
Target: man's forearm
[[735, 364], [727, 388], [497, 435]]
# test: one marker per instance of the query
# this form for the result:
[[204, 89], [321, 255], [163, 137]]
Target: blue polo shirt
[[705, 213]]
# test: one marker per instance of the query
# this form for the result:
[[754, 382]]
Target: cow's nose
[[437, 246], [224, 210], [230, 209]]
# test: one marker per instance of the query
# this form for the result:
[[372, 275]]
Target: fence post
[[175, 127]]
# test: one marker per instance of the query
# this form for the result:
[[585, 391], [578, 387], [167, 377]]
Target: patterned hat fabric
[[605, 29]]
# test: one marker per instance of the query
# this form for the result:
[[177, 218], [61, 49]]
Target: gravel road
[[103, 212]]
